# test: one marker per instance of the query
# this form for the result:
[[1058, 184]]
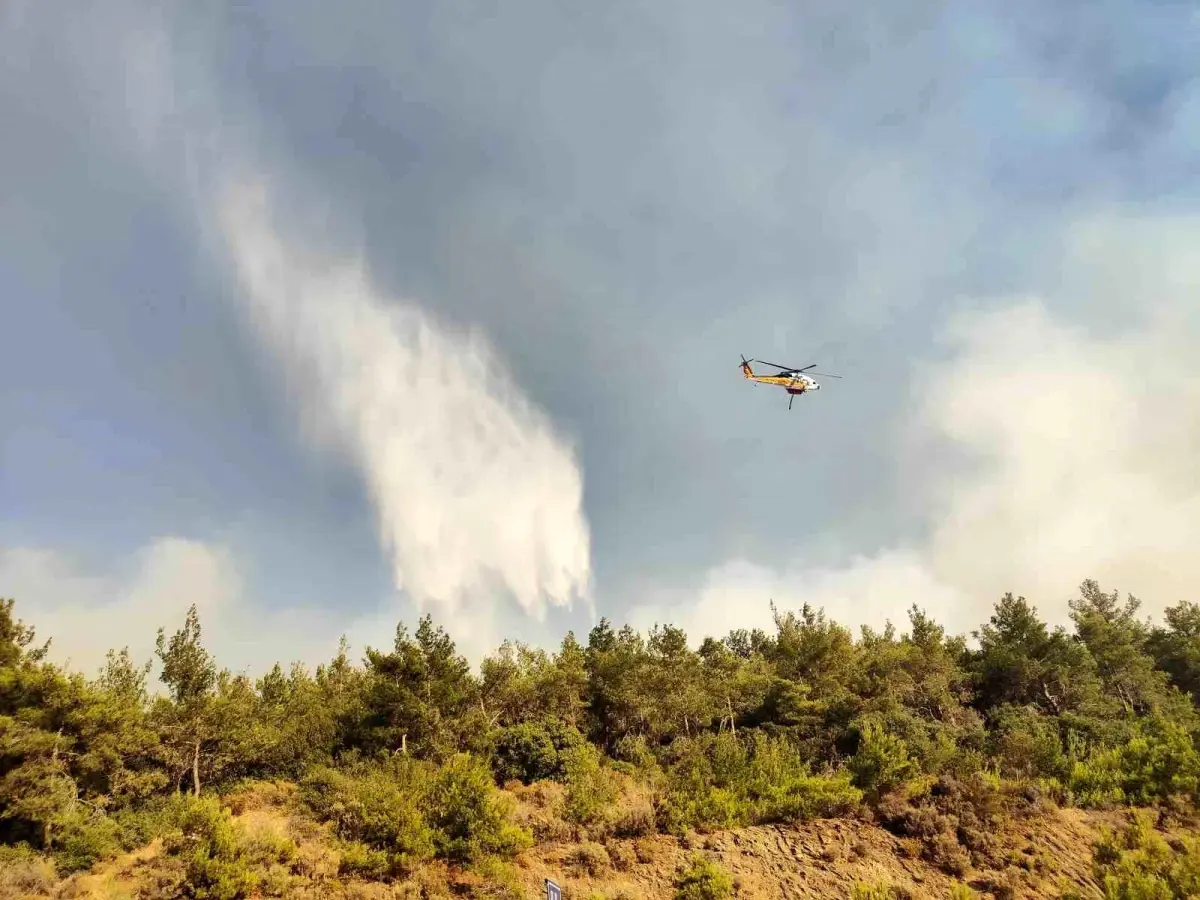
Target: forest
[[411, 760]]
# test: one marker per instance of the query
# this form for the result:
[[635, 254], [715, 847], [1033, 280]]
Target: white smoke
[[478, 499], [86, 607], [1080, 445], [475, 492]]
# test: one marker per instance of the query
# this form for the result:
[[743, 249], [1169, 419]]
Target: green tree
[[1020, 661], [421, 697], [16, 638], [69, 751], [186, 719], [1117, 642], [615, 662], [1176, 648], [674, 686]]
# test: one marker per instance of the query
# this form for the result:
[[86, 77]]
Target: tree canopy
[[1101, 713]]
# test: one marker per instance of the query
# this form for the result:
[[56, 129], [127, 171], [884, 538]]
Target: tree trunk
[[1054, 704], [1126, 701], [196, 769], [48, 828], [404, 743]]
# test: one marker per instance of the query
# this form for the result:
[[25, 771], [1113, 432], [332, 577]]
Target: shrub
[[632, 750], [84, 839], [532, 751], [211, 847], [24, 873], [721, 782], [702, 879], [151, 819], [591, 788], [954, 819], [1026, 744], [1138, 864], [377, 811], [470, 818], [501, 881], [633, 814], [881, 762], [804, 797], [539, 810], [1159, 762], [590, 857]]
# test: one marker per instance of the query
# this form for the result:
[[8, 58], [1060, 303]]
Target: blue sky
[[619, 202]]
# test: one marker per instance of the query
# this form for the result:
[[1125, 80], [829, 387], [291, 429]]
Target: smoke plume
[[475, 492], [1040, 453]]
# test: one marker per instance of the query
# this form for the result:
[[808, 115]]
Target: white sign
[[553, 891]]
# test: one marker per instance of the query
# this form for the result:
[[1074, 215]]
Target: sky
[[324, 319]]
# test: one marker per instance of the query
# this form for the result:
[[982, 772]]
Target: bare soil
[[825, 859], [1039, 857]]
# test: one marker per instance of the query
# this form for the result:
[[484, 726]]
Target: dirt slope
[[822, 860]]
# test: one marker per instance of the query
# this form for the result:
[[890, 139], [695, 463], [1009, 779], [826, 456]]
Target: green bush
[[805, 797], [470, 818], [532, 751], [702, 879], [84, 840], [1138, 864], [862, 890], [151, 819], [377, 810], [591, 788], [723, 782], [391, 815], [881, 763], [214, 855], [363, 861], [1026, 744], [1158, 763]]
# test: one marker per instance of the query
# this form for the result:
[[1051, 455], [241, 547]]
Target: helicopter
[[794, 381]]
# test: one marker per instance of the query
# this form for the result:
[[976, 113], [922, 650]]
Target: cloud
[[476, 494], [1055, 453], [87, 607], [737, 594], [1083, 444], [86, 610]]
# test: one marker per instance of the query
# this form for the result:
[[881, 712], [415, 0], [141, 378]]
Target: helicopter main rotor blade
[[787, 370], [826, 375]]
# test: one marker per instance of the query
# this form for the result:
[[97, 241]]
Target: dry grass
[[539, 807], [1034, 858], [22, 878]]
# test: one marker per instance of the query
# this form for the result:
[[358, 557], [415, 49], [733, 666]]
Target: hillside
[[802, 763], [1041, 858]]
